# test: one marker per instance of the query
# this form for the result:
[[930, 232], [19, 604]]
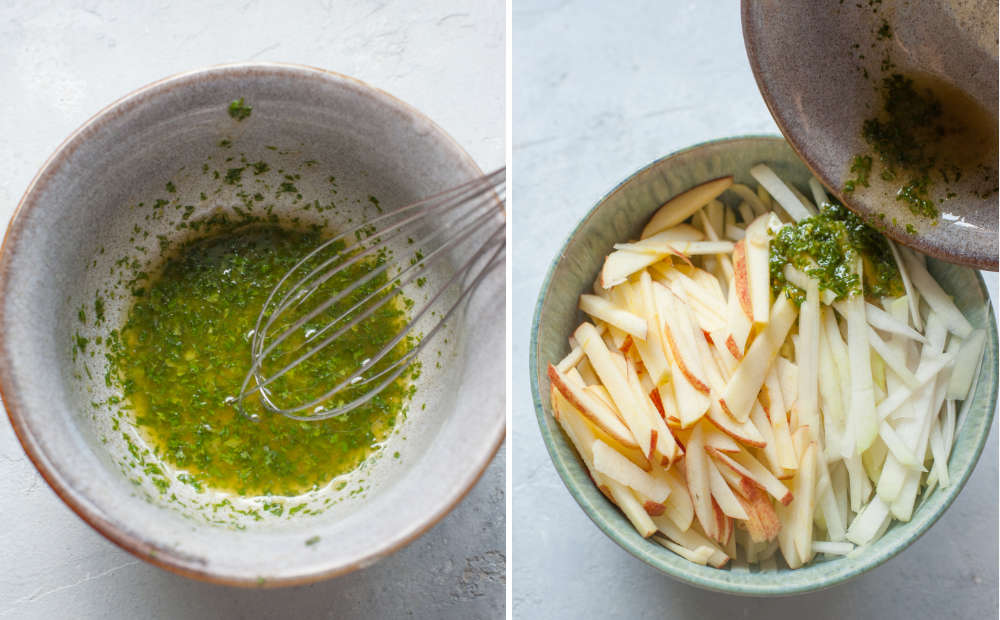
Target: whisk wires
[[462, 231]]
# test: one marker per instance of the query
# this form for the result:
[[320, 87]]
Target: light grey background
[[600, 90], [61, 62]]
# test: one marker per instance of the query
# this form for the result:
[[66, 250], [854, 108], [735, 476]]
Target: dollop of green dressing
[[826, 247], [185, 349]]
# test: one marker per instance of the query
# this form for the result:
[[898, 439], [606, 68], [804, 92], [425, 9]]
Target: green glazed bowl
[[621, 215]]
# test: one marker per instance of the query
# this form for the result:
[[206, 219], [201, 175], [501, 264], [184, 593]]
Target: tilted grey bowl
[[101, 197], [621, 215], [817, 67]]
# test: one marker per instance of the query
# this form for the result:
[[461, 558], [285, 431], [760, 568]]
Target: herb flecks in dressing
[[926, 136], [239, 110], [184, 351]]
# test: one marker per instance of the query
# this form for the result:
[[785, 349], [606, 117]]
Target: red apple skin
[[558, 383], [654, 395], [735, 350], [675, 350], [654, 509], [742, 278]]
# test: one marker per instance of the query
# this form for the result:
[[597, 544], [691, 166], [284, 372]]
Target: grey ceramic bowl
[[820, 88], [621, 214], [97, 201]]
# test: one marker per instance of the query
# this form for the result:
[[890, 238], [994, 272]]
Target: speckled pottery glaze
[[812, 81], [97, 200], [620, 215]]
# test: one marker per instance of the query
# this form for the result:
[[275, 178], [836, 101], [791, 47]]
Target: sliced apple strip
[[608, 312], [719, 440], [749, 377], [723, 495], [762, 521], [633, 508], [746, 465], [715, 213], [664, 444], [699, 483], [778, 416], [630, 449], [741, 279], [804, 505], [759, 419], [691, 539], [708, 289], [619, 265], [690, 399], [713, 225], [581, 436], [650, 350], [701, 555], [593, 408], [583, 439], [757, 246], [707, 303], [679, 507], [617, 384], [664, 249], [614, 465], [683, 205], [678, 332], [744, 432], [786, 538], [788, 379], [680, 232], [738, 321]]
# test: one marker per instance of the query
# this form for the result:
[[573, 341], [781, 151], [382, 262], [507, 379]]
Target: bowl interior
[[101, 211], [621, 215], [821, 84]]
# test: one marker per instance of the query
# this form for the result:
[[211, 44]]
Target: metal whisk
[[463, 232]]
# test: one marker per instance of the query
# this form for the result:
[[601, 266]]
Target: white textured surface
[[60, 62], [600, 90]]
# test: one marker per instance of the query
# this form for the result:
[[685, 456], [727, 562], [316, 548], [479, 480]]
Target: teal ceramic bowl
[[620, 215]]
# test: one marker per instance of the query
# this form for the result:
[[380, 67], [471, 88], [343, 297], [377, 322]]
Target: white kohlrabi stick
[[894, 473], [831, 397], [940, 468], [913, 300], [869, 521], [882, 320], [936, 298], [927, 372], [893, 356], [807, 356], [862, 392], [970, 355], [832, 547], [819, 194], [750, 197], [791, 203]]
